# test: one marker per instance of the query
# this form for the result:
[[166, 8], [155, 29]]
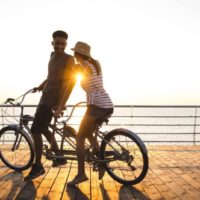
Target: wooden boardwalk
[[174, 173]]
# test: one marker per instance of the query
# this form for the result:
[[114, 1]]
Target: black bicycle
[[122, 153]]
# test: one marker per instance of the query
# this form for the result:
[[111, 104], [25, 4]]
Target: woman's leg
[[86, 129]]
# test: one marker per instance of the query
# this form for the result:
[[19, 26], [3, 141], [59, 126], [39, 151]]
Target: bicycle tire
[[24, 138], [135, 140]]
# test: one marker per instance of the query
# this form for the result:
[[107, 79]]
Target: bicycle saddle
[[105, 119], [26, 118]]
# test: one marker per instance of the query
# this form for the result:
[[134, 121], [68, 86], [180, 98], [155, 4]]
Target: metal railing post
[[195, 122], [131, 116]]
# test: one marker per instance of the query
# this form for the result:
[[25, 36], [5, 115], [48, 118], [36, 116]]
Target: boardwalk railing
[[174, 124]]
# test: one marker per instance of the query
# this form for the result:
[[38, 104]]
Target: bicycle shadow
[[104, 192], [14, 187], [27, 191], [136, 193], [74, 192], [11, 181], [125, 192]]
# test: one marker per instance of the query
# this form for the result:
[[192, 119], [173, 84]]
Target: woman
[[99, 105]]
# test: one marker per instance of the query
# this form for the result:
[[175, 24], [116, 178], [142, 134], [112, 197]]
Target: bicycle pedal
[[49, 154], [96, 168], [45, 147]]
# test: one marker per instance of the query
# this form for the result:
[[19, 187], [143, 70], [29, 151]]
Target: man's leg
[[38, 147], [37, 168], [54, 147], [50, 139], [42, 118]]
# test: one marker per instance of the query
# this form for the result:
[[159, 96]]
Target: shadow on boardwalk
[[125, 193], [76, 193], [15, 188], [173, 174]]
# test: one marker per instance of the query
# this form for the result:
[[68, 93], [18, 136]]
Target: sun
[[78, 94], [79, 77]]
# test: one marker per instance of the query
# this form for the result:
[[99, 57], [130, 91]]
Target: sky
[[149, 49]]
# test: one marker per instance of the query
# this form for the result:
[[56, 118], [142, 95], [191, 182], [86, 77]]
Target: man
[[55, 91]]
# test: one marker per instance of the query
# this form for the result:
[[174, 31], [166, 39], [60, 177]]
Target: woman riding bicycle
[[99, 104]]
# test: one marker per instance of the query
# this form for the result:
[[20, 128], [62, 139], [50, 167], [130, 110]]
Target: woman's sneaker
[[37, 170]]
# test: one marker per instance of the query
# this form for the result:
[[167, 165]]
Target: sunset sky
[[149, 49]]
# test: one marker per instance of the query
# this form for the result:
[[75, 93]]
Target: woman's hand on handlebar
[[58, 113]]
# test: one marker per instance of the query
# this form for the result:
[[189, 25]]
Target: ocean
[[153, 124]]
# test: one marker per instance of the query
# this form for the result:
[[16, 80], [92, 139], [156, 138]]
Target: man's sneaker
[[37, 170], [59, 161]]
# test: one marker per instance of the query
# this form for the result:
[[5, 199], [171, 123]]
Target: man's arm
[[40, 87], [64, 97], [68, 85]]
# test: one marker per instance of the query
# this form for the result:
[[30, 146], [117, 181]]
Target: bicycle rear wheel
[[16, 149], [125, 155]]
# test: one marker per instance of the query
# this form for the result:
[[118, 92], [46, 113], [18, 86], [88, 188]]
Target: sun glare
[[79, 77], [78, 94]]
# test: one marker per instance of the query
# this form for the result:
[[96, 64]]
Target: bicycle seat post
[[53, 130]]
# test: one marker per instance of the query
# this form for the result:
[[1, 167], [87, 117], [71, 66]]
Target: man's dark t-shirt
[[60, 78]]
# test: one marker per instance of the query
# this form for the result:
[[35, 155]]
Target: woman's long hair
[[94, 62]]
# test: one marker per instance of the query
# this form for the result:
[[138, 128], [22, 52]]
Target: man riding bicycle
[[55, 88]]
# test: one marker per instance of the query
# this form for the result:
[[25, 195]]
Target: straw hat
[[82, 48]]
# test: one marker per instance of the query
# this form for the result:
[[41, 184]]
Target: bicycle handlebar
[[72, 111], [10, 100]]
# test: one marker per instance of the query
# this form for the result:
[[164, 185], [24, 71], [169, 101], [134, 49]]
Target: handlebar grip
[[9, 100]]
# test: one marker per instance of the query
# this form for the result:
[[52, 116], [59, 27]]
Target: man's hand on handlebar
[[36, 89]]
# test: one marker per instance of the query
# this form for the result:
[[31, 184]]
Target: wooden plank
[[173, 174], [71, 192], [96, 193], [84, 188], [59, 185], [171, 178], [28, 189], [109, 188]]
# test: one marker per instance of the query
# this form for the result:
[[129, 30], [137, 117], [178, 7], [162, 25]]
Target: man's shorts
[[43, 117]]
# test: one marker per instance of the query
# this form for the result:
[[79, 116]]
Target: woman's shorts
[[43, 117], [97, 112]]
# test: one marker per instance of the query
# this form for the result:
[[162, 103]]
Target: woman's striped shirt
[[93, 86]]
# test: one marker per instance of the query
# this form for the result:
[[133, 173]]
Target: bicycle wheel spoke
[[19, 156], [128, 161]]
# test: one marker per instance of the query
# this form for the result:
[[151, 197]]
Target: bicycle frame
[[23, 127], [111, 148]]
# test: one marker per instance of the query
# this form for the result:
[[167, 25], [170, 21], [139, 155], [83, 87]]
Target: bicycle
[[122, 153]]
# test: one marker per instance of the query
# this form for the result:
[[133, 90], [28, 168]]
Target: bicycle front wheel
[[16, 149], [125, 155]]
